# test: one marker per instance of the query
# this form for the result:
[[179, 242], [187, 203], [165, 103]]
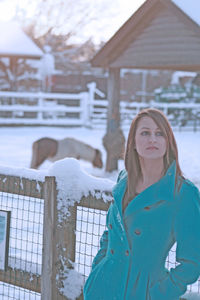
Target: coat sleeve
[[103, 245], [104, 238], [187, 235], [102, 251]]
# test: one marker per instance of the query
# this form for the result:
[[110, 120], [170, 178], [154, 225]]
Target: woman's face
[[149, 140]]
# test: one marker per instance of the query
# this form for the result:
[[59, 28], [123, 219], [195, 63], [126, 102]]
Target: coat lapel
[[162, 190]]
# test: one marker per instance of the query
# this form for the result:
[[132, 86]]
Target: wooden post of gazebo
[[113, 140], [13, 68]]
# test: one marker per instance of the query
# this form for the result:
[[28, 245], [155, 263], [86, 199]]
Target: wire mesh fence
[[90, 224], [21, 279], [9, 291]]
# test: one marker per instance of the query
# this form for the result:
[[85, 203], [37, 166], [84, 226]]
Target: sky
[[120, 14], [107, 16], [101, 28]]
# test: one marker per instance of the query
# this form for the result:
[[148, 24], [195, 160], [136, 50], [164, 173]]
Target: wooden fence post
[[48, 282], [84, 104], [91, 95], [40, 105], [58, 244]]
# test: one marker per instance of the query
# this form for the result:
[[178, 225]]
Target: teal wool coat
[[130, 264]]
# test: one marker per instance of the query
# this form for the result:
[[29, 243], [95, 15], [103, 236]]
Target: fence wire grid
[[21, 280], [90, 225]]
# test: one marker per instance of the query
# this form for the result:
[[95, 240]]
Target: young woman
[[154, 206]]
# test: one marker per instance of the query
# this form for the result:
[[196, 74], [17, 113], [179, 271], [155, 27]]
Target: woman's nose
[[152, 137]]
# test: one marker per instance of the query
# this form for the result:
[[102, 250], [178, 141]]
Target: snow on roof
[[14, 42], [191, 8]]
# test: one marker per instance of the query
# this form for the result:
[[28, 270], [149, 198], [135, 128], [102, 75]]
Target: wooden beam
[[59, 241], [189, 68], [48, 282], [21, 279], [21, 186], [113, 92], [92, 202], [114, 139]]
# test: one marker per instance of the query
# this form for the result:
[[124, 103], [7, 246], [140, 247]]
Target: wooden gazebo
[[15, 44], [159, 35]]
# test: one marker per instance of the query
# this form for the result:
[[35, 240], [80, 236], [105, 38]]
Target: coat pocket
[[155, 205], [155, 292], [154, 288]]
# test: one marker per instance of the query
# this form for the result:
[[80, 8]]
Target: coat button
[[110, 225], [137, 231], [112, 251], [127, 253], [147, 208]]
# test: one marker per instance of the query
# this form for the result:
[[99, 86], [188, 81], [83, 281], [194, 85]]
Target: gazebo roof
[[161, 34], [14, 42], [191, 8]]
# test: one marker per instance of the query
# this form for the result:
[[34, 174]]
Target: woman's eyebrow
[[149, 128]]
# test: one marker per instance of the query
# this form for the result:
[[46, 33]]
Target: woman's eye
[[159, 133], [145, 132]]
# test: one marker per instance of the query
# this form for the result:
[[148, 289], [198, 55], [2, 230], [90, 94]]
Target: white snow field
[[16, 143]]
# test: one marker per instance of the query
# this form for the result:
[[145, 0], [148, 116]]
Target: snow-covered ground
[[16, 143], [15, 150]]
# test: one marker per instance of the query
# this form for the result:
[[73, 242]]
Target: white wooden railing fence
[[83, 109]]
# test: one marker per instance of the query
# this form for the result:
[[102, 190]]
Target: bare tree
[[66, 17]]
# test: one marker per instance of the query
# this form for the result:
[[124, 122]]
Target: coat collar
[[162, 190]]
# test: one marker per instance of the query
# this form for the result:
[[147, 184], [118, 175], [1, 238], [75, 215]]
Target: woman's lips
[[152, 148]]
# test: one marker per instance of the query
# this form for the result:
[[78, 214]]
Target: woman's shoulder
[[188, 184], [190, 191]]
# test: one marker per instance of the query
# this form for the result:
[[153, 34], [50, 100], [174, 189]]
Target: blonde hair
[[132, 163]]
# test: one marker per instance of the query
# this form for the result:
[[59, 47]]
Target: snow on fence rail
[[57, 219], [84, 109]]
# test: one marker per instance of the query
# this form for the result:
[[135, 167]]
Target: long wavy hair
[[132, 162]]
